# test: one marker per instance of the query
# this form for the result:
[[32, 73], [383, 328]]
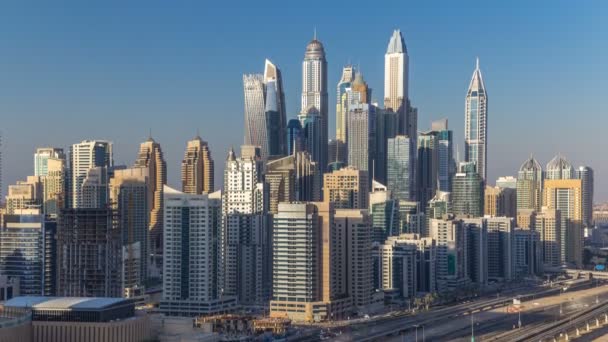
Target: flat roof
[[63, 303]]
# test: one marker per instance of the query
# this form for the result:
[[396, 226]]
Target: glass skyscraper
[[265, 119], [468, 191], [476, 119], [399, 170], [446, 166]]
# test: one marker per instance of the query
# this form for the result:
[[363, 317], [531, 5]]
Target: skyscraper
[[245, 228], [530, 185], [83, 157], [276, 119], [192, 257], [312, 129], [476, 124], [151, 157], [396, 74], [452, 253], [22, 255], [342, 101], [386, 127], [384, 212], [585, 174], [445, 154], [399, 167], [354, 226], [362, 93], [129, 191], [548, 224], [500, 202], [94, 188], [565, 195], [89, 253], [265, 118], [24, 195], [361, 140], [294, 136], [314, 92], [467, 192], [427, 174], [41, 157], [292, 178], [559, 168], [197, 168], [54, 186], [347, 188], [500, 247], [307, 257]]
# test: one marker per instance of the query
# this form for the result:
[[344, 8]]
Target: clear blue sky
[[113, 70]]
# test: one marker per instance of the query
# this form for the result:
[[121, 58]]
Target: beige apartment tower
[[548, 225], [500, 202], [565, 195], [151, 157], [308, 270], [197, 168], [347, 188]]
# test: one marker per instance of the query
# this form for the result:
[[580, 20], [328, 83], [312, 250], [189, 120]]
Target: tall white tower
[[314, 90], [476, 124], [396, 72]]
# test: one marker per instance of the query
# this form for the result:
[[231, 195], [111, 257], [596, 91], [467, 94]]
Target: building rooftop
[[63, 303]]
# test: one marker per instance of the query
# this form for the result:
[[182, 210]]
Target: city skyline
[[76, 108]]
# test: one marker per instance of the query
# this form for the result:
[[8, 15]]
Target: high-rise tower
[[151, 157], [559, 168], [585, 174], [197, 168], [41, 157], [396, 72], [265, 119], [348, 75], [83, 157], [476, 123], [314, 91], [530, 185]]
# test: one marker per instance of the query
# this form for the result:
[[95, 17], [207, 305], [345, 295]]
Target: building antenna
[[314, 37], [373, 170]]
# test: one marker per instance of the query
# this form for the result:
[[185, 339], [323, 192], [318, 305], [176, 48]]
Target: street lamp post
[[472, 329], [519, 319]]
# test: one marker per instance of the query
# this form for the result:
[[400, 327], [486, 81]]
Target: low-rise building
[[74, 319]]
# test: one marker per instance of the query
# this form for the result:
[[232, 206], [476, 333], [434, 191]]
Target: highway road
[[498, 325], [445, 324]]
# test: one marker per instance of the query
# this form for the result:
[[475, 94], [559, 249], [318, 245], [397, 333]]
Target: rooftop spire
[[396, 43], [477, 80], [314, 37]]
